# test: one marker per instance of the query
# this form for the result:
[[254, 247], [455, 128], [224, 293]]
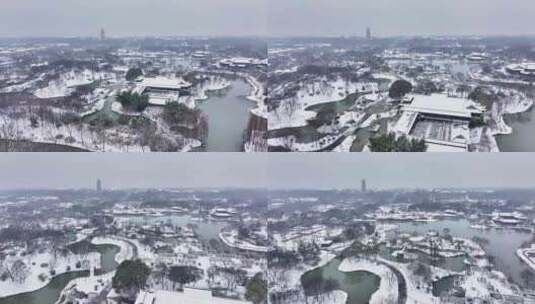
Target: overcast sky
[[265, 17], [273, 170], [132, 170], [39, 18], [401, 17]]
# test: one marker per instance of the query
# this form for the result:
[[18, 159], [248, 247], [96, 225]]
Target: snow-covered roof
[[243, 61], [165, 82], [189, 296], [515, 214], [441, 104], [526, 68], [477, 56]]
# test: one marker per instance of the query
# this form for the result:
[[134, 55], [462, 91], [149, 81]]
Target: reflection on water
[[359, 285], [228, 114], [522, 139]]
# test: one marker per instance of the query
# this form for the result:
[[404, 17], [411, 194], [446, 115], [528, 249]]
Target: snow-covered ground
[[350, 120], [415, 294], [291, 112], [291, 143], [97, 105], [118, 139], [22, 86], [144, 252], [333, 297], [231, 239], [34, 269], [188, 295], [480, 284], [65, 84], [316, 233]]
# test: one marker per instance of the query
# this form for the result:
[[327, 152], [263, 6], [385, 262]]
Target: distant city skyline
[[267, 170]]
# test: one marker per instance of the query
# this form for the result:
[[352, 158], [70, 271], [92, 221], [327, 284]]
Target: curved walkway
[[402, 284]]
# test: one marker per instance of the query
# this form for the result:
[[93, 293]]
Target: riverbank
[[526, 255], [257, 95], [515, 105]]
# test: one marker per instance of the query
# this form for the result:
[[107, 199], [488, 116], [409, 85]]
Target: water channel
[[228, 114]]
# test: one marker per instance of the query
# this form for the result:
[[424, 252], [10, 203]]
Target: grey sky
[[132, 17], [132, 170], [273, 170], [403, 170], [261, 17], [401, 17]]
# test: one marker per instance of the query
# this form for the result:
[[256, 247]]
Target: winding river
[[228, 114]]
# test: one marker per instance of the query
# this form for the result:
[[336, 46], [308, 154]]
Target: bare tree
[[17, 271]]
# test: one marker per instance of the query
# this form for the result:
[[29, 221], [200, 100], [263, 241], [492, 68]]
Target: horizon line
[[270, 36], [200, 188]]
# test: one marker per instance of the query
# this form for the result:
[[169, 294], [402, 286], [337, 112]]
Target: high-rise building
[[99, 185], [363, 185], [102, 34], [368, 33]]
